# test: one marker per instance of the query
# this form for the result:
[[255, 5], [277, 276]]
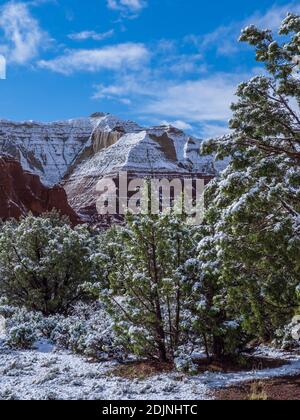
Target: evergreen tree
[[43, 261], [147, 292], [255, 205]]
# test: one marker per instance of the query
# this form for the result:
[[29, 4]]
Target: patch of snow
[[2, 327], [214, 381], [45, 374], [30, 375], [43, 346]]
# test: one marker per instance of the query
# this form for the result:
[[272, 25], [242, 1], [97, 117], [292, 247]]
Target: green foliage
[[43, 261], [255, 205], [147, 292], [168, 285], [22, 336]]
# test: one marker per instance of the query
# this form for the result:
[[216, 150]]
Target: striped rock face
[[78, 153], [49, 149]]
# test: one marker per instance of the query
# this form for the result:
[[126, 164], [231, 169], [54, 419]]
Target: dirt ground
[[142, 370], [278, 389]]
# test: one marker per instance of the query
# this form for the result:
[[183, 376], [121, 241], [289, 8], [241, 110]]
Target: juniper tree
[[147, 293], [255, 206], [213, 320], [43, 261]]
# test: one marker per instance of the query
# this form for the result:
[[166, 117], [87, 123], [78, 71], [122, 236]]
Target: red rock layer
[[22, 192]]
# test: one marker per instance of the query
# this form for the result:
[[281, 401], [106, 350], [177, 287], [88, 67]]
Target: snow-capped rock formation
[[49, 149], [78, 153], [22, 192], [163, 152]]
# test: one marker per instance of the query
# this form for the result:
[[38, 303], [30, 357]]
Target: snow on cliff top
[[105, 120], [51, 149], [48, 149], [154, 150]]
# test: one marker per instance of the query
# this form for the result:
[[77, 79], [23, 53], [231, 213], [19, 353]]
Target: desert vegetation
[[159, 288]]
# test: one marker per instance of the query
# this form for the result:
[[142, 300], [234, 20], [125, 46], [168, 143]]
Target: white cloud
[[129, 86], [180, 90], [224, 39], [114, 57], [95, 36], [274, 16], [127, 6], [211, 130], [23, 37], [204, 99], [2, 67], [183, 64], [181, 125], [201, 106]]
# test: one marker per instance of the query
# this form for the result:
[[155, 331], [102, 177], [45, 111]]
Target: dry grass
[[258, 392], [141, 370]]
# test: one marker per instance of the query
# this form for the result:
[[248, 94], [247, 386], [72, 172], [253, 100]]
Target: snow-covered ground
[[222, 380], [46, 374], [60, 375]]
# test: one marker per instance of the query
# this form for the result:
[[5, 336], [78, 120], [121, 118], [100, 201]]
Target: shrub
[[288, 338], [22, 326], [43, 261], [21, 336], [88, 331], [254, 205], [184, 363]]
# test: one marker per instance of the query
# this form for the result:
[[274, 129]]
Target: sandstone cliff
[[22, 192], [78, 153]]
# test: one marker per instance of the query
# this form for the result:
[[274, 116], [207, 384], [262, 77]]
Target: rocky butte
[[77, 153]]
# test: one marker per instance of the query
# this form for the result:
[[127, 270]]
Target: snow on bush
[[22, 336], [288, 338], [147, 292], [87, 331], [184, 363], [43, 262], [21, 326]]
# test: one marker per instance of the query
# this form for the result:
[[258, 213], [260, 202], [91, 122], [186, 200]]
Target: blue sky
[[152, 61]]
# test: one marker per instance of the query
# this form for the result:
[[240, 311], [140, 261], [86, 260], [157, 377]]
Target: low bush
[[22, 336]]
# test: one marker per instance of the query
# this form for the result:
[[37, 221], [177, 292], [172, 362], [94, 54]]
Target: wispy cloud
[[116, 57], [181, 125], [224, 38], [127, 7], [201, 106], [22, 34], [203, 103], [206, 99], [182, 89], [95, 36]]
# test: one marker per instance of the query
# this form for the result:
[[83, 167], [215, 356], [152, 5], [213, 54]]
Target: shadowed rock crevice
[[167, 146]]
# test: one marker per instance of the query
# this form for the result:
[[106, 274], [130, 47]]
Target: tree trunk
[[162, 350], [206, 346], [218, 347], [160, 333]]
